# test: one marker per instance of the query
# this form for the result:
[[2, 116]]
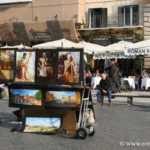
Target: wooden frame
[[25, 96], [7, 65], [48, 124], [25, 61]]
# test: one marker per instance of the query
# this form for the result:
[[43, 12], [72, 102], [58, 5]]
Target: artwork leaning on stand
[[46, 66], [6, 65], [43, 125], [62, 99], [25, 66], [70, 67], [25, 97]]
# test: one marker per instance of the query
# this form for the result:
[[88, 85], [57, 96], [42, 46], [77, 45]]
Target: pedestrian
[[105, 89], [114, 74], [88, 78]]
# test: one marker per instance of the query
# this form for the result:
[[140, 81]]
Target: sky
[[23, 92], [45, 121], [62, 94]]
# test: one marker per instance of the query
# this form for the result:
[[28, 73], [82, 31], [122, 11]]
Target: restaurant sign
[[42, 35], [138, 51], [117, 55]]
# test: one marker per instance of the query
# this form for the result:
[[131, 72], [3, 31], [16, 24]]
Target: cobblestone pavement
[[116, 127]]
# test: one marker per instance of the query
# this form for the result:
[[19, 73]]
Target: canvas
[[46, 62], [69, 67], [47, 125], [25, 97], [6, 65], [62, 98], [25, 66]]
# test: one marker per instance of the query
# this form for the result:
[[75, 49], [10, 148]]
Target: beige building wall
[[112, 8], [15, 12], [41, 10]]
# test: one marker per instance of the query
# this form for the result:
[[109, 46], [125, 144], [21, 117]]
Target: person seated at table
[[95, 83], [142, 76], [105, 89]]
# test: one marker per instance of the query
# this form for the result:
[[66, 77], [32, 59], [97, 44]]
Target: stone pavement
[[116, 127]]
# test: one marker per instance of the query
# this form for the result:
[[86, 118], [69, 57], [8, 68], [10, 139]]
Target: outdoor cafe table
[[145, 83], [131, 82]]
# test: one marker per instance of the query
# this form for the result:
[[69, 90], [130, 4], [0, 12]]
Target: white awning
[[116, 50], [13, 1], [116, 55], [63, 43], [140, 48]]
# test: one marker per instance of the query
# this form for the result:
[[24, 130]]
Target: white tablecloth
[[95, 81], [130, 81], [145, 83]]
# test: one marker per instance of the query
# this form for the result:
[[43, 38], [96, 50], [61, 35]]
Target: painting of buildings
[[42, 124], [26, 97], [68, 98]]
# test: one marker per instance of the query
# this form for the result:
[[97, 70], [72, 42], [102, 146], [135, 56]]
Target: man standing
[[113, 75], [105, 88]]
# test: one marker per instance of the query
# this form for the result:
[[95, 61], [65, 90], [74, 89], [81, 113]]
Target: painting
[[25, 97], [6, 65], [46, 62], [25, 66], [69, 67], [62, 98], [47, 125]]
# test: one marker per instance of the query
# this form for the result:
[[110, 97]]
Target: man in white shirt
[[95, 81]]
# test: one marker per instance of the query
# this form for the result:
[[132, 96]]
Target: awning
[[140, 48], [115, 50], [37, 32], [90, 48], [117, 55], [63, 43]]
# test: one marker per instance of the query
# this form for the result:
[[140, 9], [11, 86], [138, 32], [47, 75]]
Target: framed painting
[[25, 66], [25, 97], [62, 98], [7, 65], [70, 66], [43, 125], [46, 66]]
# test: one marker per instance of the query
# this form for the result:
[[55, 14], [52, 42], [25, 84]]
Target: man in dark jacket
[[105, 88], [113, 75]]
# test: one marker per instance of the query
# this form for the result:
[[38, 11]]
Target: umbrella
[[116, 50], [21, 46], [140, 48], [6, 46], [63, 43], [90, 48], [116, 47]]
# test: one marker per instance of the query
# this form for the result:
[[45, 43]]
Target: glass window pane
[[127, 16], [135, 14]]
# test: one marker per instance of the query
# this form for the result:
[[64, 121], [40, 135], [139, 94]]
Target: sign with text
[[138, 51]]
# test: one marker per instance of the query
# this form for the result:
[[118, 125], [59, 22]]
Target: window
[[128, 15], [98, 17]]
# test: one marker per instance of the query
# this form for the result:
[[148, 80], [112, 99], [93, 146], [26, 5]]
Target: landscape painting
[[68, 67], [25, 66], [25, 97], [6, 64], [46, 62], [63, 98], [47, 125]]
